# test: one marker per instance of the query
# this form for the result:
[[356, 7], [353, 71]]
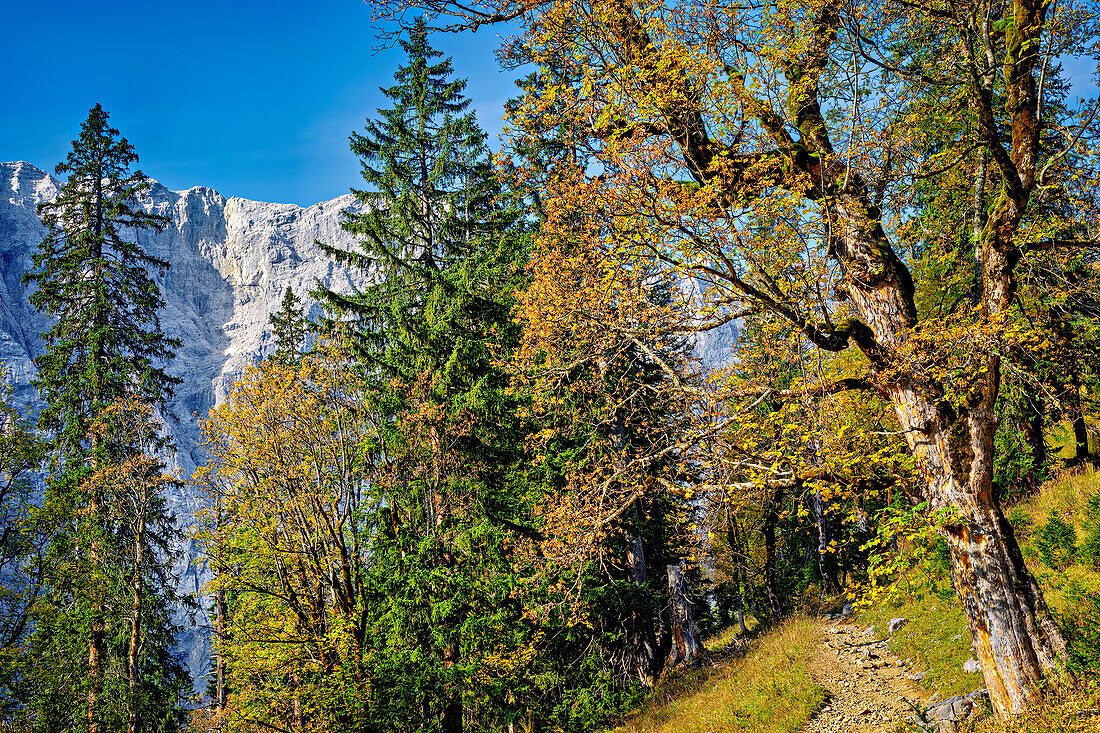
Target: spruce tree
[[289, 327], [442, 251], [101, 656]]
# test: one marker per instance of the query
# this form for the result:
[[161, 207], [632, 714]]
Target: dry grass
[[1073, 711], [769, 690]]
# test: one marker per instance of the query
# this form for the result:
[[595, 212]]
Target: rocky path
[[867, 686]]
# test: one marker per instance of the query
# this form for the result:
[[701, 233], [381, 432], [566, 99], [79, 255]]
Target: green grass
[[1066, 497], [724, 641], [769, 690], [936, 640]]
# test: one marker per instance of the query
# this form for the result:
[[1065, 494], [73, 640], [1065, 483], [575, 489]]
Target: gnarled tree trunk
[[1016, 639], [685, 635]]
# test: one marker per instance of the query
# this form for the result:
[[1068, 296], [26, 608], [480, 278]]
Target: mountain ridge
[[231, 260]]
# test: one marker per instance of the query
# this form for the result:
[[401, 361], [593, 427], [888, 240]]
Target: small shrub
[[1090, 543], [1084, 632], [1056, 542], [1023, 526]]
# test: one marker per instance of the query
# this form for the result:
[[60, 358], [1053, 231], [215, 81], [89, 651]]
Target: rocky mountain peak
[[231, 261]]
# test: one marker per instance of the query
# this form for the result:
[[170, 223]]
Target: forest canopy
[[507, 483]]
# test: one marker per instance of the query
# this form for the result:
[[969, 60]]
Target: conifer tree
[[101, 656], [289, 327], [431, 327]]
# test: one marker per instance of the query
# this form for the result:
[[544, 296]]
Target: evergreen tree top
[[289, 327], [93, 276]]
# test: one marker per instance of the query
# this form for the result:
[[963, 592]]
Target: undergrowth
[[769, 690]]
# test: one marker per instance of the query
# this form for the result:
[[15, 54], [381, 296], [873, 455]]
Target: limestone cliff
[[231, 261]]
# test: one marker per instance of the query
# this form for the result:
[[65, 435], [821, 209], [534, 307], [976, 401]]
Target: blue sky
[[254, 99]]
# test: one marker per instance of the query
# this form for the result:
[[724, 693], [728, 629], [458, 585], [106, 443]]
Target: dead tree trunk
[[642, 640], [685, 635]]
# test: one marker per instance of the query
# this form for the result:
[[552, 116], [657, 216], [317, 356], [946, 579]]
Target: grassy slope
[[936, 638], [769, 690]]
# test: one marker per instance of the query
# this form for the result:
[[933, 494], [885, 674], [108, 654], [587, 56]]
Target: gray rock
[[231, 261], [895, 624], [944, 716]]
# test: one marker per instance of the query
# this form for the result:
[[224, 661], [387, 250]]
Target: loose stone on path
[[867, 686]]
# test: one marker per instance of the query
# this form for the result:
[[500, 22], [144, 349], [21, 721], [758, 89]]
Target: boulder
[[944, 716]]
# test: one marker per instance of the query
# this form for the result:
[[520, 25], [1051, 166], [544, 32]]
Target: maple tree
[[292, 516], [768, 150]]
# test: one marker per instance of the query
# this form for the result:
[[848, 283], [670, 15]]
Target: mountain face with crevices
[[231, 261]]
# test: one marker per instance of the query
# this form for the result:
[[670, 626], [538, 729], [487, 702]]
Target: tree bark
[[771, 520], [220, 697], [453, 713], [95, 654], [1080, 438], [135, 630], [1081, 452], [297, 720], [1014, 635], [825, 559], [685, 635], [1071, 399], [1034, 422], [642, 640], [95, 637]]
